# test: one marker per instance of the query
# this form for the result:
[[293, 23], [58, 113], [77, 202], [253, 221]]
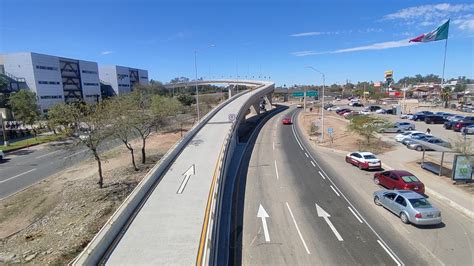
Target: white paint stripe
[[306, 154], [276, 170], [338, 236], [297, 228], [389, 253], [274, 145], [321, 174], [47, 154], [183, 184], [24, 173], [350, 209], [313, 163], [74, 154], [362, 217], [334, 191]]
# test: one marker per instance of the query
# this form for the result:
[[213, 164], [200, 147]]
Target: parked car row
[[404, 193], [416, 140]]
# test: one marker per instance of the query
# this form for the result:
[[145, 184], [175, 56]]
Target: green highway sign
[[308, 94]]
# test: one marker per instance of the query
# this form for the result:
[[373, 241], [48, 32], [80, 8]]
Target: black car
[[434, 119], [373, 108], [356, 104], [420, 116]]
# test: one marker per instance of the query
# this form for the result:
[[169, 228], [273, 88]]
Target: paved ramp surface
[[168, 227]]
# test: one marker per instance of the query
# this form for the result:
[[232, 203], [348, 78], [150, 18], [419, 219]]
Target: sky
[[277, 40]]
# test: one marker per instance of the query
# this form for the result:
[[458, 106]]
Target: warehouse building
[[54, 79], [122, 79]]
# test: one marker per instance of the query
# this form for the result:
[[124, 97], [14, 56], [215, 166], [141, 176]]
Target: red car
[[399, 179], [286, 120], [345, 111]]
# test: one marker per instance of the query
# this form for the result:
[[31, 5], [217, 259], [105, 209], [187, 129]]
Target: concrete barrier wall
[[100, 244]]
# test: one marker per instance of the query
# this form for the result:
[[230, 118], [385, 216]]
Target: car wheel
[[419, 148], [404, 218], [399, 131], [432, 122], [377, 201], [377, 181]]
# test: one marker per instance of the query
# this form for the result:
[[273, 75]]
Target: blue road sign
[[330, 130]]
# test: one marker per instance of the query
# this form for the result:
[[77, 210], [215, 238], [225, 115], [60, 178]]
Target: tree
[[90, 126], [446, 93], [63, 116], [25, 107], [366, 125], [186, 99], [123, 123], [180, 80]]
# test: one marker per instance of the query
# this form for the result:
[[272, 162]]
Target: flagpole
[[444, 61]]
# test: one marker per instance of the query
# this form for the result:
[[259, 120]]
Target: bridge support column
[[256, 108]]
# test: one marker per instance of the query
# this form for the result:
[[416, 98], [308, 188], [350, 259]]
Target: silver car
[[410, 206], [419, 146]]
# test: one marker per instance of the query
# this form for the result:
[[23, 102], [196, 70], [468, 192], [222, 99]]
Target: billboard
[[462, 167]]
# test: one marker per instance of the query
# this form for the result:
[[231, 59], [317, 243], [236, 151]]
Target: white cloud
[[317, 33], [428, 13], [375, 46], [107, 52], [465, 22], [311, 33]]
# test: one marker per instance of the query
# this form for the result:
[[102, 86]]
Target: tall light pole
[[195, 82], [322, 100]]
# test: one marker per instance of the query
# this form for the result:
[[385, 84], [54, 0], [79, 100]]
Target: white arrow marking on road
[[264, 215], [325, 215], [191, 171]]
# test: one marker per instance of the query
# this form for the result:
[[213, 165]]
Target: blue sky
[[347, 40]]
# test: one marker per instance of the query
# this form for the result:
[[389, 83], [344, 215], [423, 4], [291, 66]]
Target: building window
[[51, 97], [124, 85], [91, 84], [122, 76], [46, 67], [49, 82], [92, 95], [144, 77], [89, 72]]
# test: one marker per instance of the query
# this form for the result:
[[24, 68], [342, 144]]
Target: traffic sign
[[330, 130], [308, 94]]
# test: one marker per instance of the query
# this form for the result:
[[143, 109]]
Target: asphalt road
[[25, 167], [287, 181]]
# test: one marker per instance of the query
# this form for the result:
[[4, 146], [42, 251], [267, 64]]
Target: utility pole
[[304, 100], [5, 141], [322, 100]]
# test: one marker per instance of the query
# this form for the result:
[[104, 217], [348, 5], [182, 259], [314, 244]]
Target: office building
[[54, 79], [122, 79]]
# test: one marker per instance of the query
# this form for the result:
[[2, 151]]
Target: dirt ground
[[53, 220], [341, 138]]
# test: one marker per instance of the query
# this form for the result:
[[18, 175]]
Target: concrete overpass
[[171, 216]]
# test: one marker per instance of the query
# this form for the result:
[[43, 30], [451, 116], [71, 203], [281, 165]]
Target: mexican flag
[[441, 33]]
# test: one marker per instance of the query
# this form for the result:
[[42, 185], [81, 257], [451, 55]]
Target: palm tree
[[446, 93]]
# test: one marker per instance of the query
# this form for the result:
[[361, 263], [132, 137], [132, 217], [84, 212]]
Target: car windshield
[[370, 156], [420, 203], [410, 178]]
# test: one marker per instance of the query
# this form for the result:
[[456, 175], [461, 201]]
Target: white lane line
[[321, 174], [350, 209], [74, 154], [399, 261], [306, 155], [47, 154], [276, 170], [274, 145], [297, 228], [313, 164], [24, 173], [334, 191], [389, 253]]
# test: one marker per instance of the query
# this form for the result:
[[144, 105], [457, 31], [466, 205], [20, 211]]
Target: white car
[[2, 155], [299, 105], [365, 112], [334, 108], [407, 134], [364, 160], [398, 127], [470, 129], [380, 111]]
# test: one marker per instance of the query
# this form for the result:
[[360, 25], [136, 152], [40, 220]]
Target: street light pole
[[322, 100], [195, 82]]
